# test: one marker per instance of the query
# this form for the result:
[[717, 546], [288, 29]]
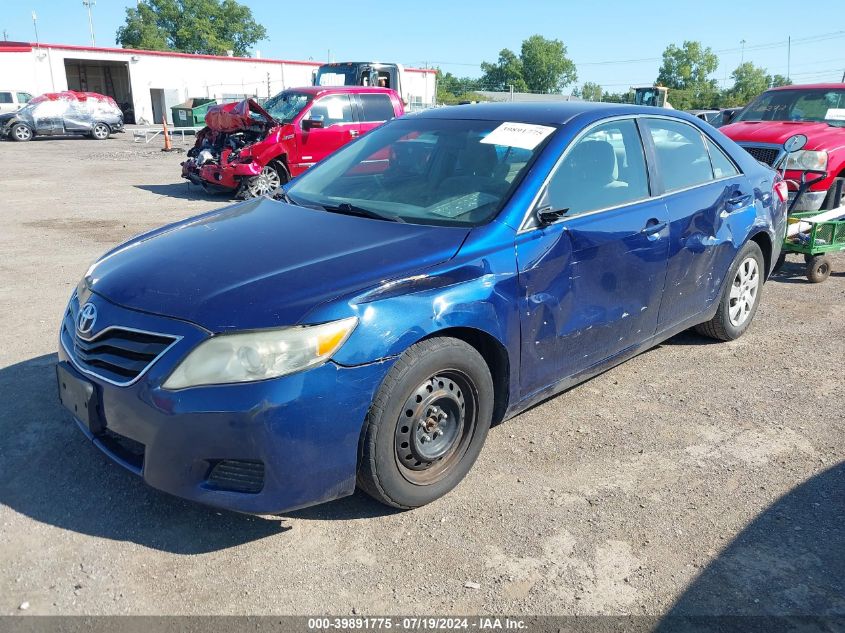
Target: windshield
[[423, 171], [346, 75], [286, 105], [797, 105]]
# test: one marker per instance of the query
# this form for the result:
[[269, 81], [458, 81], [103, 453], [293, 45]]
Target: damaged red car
[[250, 150]]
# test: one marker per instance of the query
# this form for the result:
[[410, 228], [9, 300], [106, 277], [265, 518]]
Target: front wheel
[[100, 131], [266, 183], [740, 297], [22, 133], [427, 423]]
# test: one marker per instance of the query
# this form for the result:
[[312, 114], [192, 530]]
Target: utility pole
[[268, 85], [89, 4], [5, 35], [788, 57], [35, 24], [742, 59]]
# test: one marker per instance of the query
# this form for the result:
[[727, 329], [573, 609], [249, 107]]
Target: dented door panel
[[591, 288]]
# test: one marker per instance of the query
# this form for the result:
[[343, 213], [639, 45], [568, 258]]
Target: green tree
[[685, 71], [616, 97], [776, 81], [210, 27], [749, 81], [591, 92], [503, 74], [451, 89], [545, 66]]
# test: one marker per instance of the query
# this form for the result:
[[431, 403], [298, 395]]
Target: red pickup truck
[[251, 150], [818, 112]]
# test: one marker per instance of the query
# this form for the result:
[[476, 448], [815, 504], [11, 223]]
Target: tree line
[[543, 67]]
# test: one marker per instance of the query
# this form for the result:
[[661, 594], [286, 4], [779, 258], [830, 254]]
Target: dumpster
[[192, 112]]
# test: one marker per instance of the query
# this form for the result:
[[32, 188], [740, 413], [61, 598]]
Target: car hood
[[263, 263], [819, 135]]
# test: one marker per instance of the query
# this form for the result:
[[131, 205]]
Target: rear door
[[592, 282], [373, 110], [339, 127], [703, 188]]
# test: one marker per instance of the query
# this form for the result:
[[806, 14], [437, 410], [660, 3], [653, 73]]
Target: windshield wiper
[[351, 209]]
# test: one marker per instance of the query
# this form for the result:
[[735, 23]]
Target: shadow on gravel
[[182, 191], [790, 561], [50, 472]]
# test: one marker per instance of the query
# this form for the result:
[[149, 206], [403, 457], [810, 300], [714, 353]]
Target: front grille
[[118, 355], [125, 448], [766, 155], [237, 475]]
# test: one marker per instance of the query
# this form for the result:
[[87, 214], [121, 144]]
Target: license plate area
[[79, 396]]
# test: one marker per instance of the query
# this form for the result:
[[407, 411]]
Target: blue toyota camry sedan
[[440, 274]]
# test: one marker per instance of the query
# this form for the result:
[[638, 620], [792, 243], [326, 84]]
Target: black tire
[[391, 468], [100, 131], [721, 327], [818, 268], [21, 133], [779, 264], [830, 201]]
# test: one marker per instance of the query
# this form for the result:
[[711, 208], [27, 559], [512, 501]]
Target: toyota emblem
[[86, 319]]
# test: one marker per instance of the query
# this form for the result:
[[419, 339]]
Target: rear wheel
[[22, 133], [427, 423], [100, 131], [740, 297], [267, 183], [818, 268]]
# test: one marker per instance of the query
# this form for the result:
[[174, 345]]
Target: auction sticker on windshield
[[835, 114], [522, 135]]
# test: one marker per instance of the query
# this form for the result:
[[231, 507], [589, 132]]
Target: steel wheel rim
[[100, 131], [435, 427], [822, 268], [744, 290], [22, 133], [265, 183]]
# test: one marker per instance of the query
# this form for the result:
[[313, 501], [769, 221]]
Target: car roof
[[543, 113], [839, 86]]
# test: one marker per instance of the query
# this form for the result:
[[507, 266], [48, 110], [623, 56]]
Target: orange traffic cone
[[168, 146]]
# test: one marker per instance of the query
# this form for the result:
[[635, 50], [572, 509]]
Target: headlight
[[807, 159], [231, 358]]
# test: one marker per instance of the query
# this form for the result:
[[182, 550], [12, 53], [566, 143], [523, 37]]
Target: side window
[[723, 167], [605, 168], [376, 107], [333, 109], [681, 155], [5, 97], [24, 97]]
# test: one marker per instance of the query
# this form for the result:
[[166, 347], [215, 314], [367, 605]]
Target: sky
[[614, 43]]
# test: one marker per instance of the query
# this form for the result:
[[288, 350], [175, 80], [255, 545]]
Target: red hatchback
[[251, 150]]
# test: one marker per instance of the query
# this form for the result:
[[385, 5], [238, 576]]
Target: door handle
[[653, 226], [353, 133], [737, 201]]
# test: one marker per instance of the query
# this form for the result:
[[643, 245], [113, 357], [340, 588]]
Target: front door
[[339, 127], [592, 282]]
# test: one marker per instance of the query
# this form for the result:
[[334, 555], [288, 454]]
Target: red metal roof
[[25, 47]]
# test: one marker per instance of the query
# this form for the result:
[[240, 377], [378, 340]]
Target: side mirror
[[549, 215], [315, 121], [794, 143]]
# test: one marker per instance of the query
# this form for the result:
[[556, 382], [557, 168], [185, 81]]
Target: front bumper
[[810, 200], [304, 428], [223, 177]]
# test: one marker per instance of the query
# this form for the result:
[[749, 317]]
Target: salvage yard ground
[[708, 477]]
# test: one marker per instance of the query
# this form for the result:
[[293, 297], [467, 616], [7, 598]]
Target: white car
[[13, 100]]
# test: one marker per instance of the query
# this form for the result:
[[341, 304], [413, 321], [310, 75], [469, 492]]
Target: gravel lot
[[701, 477]]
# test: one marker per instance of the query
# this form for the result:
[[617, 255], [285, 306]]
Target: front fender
[[476, 290]]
